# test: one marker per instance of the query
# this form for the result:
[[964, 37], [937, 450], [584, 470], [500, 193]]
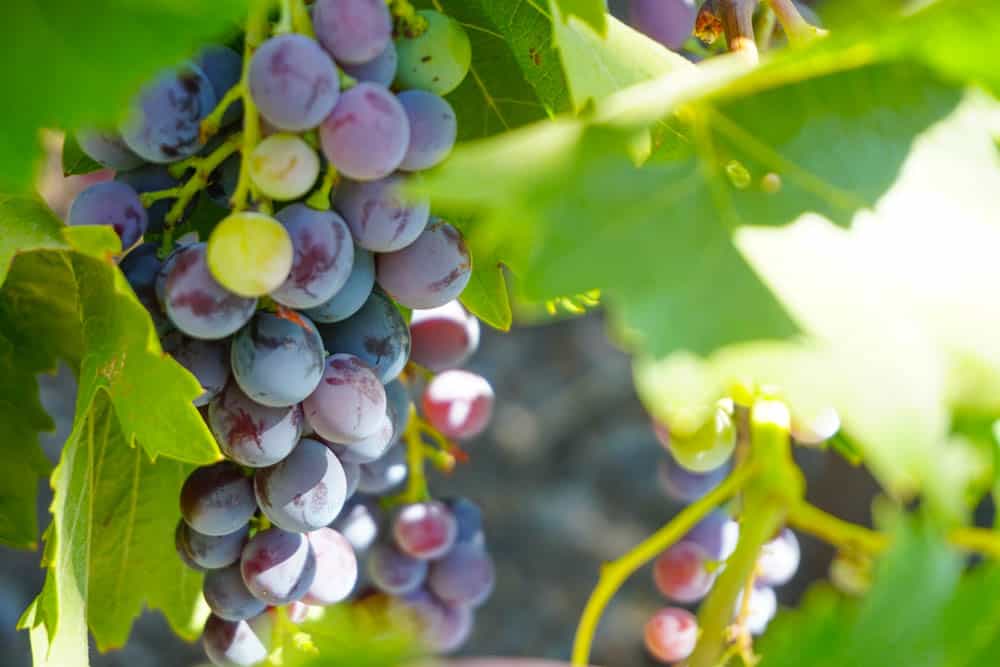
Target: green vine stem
[[211, 123], [301, 22], [737, 21], [615, 573], [407, 21], [256, 33], [284, 24], [799, 30], [320, 198], [416, 484]]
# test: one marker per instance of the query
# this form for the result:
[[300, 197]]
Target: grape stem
[[737, 21], [799, 30], [213, 121], [256, 33], [320, 198], [300, 19], [407, 21], [416, 484], [284, 24]]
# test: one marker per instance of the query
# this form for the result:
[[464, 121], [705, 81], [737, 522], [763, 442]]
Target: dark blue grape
[[277, 362], [468, 519], [324, 256], [669, 22], [380, 70], [151, 178], [180, 544], [716, 534], [114, 204], [224, 181], [228, 597], [252, 434], [394, 572], [377, 334], [196, 303], [433, 129], [352, 295], [108, 148], [217, 499], [305, 491], [443, 627], [211, 552], [278, 566], [359, 522], [207, 360], [141, 266], [294, 82], [353, 31], [384, 474]]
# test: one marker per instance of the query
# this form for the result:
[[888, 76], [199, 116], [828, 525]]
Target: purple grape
[[444, 627], [716, 534], [443, 338], [433, 129], [468, 520], [278, 567], [238, 643], [352, 295], [670, 22], [779, 559], [368, 449], [377, 334], [196, 303], [108, 148], [353, 31], [465, 576], [217, 499], [324, 256], [223, 67], [114, 204], [277, 362], [180, 545], [399, 406], [393, 572], [430, 272], [349, 403], [425, 530], [151, 178], [380, 70], [359, 523], [458, 403], [385, 473], [166, 116], [682, 574], [228, 597], [685, 486], [293, 82], [206, 360], [367, 134], [336, 567], [251, 434], [141, 266], [381, 220], [304, 492], [210, 552]]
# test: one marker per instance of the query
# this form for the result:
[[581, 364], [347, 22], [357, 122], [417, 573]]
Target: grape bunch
[[322, 299]]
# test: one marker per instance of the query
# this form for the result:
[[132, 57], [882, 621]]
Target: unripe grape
[[711, 446], [284, 167], [250, 254], [438, 59]]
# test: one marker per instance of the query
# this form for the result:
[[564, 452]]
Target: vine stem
[[256, 33], [320, 198], [416, 483], [615, 573], [796, 27], [737, 21]]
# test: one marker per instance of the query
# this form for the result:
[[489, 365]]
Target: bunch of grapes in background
[[311, 310]]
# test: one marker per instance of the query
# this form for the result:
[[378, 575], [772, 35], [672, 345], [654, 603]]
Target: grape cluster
[[310, 320]]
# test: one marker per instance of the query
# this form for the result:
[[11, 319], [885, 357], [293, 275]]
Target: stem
[[799, 30], [150, 198], [615, 573], [737, 20], [213, 121], [300, 19], [255, 34], [320, 198], [764, 28], [284, 24], [981, 540], [844, 534], [416, 484], [407, 21]]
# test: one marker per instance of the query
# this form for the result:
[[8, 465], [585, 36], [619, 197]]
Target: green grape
[[711, 445], [250, 254], [438, 59], [284, 167]]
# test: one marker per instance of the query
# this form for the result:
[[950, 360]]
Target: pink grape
[[336, 567], [443, 338], [425, 530], [458, 403], [367, 134], [323, 260], [429, 272], [293, 82], [671, 634], [349, 403], [680, 573], [353, 31]]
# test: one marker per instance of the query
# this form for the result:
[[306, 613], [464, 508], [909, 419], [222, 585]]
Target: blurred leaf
[[592, 13], [486, 296], [74, 160]]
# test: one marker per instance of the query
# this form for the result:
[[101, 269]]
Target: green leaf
[[486, 296], [93, 57], [74, 160], [591, 12]]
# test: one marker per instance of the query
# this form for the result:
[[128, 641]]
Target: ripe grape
[[670, 635], [368, 449], [223, 181], [252, 434], [151, 178], [670, 22], [111, 203], [141, 266], [444, 337], [377, 334], [779, 559], [685, 486], [323, 256], [680, 573], [108, 148], [711, 446], [458, 403], [217, 499], [430, 272], [352, 473], [196, 303], [353, 31], [293, 82], [465, 576], [284, 167], [277, 362], [352, 295], [436, 60], [181, 547], [211, 552], [433, 129], [305, 491], [381, 69], [381, 219], [443, 627], [394, 572], [165, 118], [250, 254], [223, 67], [336, 567], [468, 520], [716, 534], [349, 403], [366, 136], [278, 566], [763, 606], [425, 530], [228, 597], [207, 360], [385, 473], [398, 406], [238, 643], [359, 523]]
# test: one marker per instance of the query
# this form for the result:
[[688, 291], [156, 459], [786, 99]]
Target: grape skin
[[380, 70], [433, 129], [763, 606], [217, 499], [349, 403], [284, 167], [367, 449], [468, 520], [251, 434], [444, 627], [277, 362], [228, 597], [680, 573], [670, 635], [211, 552], [394, 572], [352, 473], [336, 568], [111, 203], [323, 256], [465, 576], [685, 486], [239, 643], [359, 523], [443, 338], [710, 447], [716, 534], [385, 473], [278, 566], [305, 491], [107, 148], [458, 403], [250, 254], [223, 67], [437, 60], [381, 220], [779, 559], [206, 360], [377, 334], [352, 295], [196, 303], [141, 266], [367, 134], [425, 530], [670, 22], [399, 405], [428, 273], [182, 550], [353, 31], [151, 178], [293, 82]]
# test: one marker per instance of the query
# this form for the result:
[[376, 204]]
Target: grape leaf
[[591, 12], [74, 160], [486, 296]]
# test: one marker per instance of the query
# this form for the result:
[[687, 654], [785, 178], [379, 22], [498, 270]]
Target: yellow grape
[[711, 445], [250, 254], [284, 167]]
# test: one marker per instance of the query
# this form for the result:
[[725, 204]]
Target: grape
[[398, 407], [425, 530], [394, 572], [210, 552], [850, 574], [685, 486], [293, 82], [151, 178], [444, 337], [384, 474], [468, 520], [763, 606], [816, 428], [779, 559], [141, 266], [352, 473], [711, 446], [228, 597], [430, 272], [238, 643], [277, 362], [180, 544], [336, 567], [305, 491], [252, 434], [108, 148], [444, 627], [165, 119], [716, 534], [352, 295], [323, 256], [381, 69], [465, 576], [111, 203], [366, 136], [278, 566], [670, 22], [353, 31], [217, 499], [284, 167], [196, 303], [367, 449], [206, 360], [223, 67], [349, 403], [224, 181], [433, 129], [250, 253], [458, 403], [680, 573], [380, 218], [438, 59], [670, 635], [359, 523], [377, 334]]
